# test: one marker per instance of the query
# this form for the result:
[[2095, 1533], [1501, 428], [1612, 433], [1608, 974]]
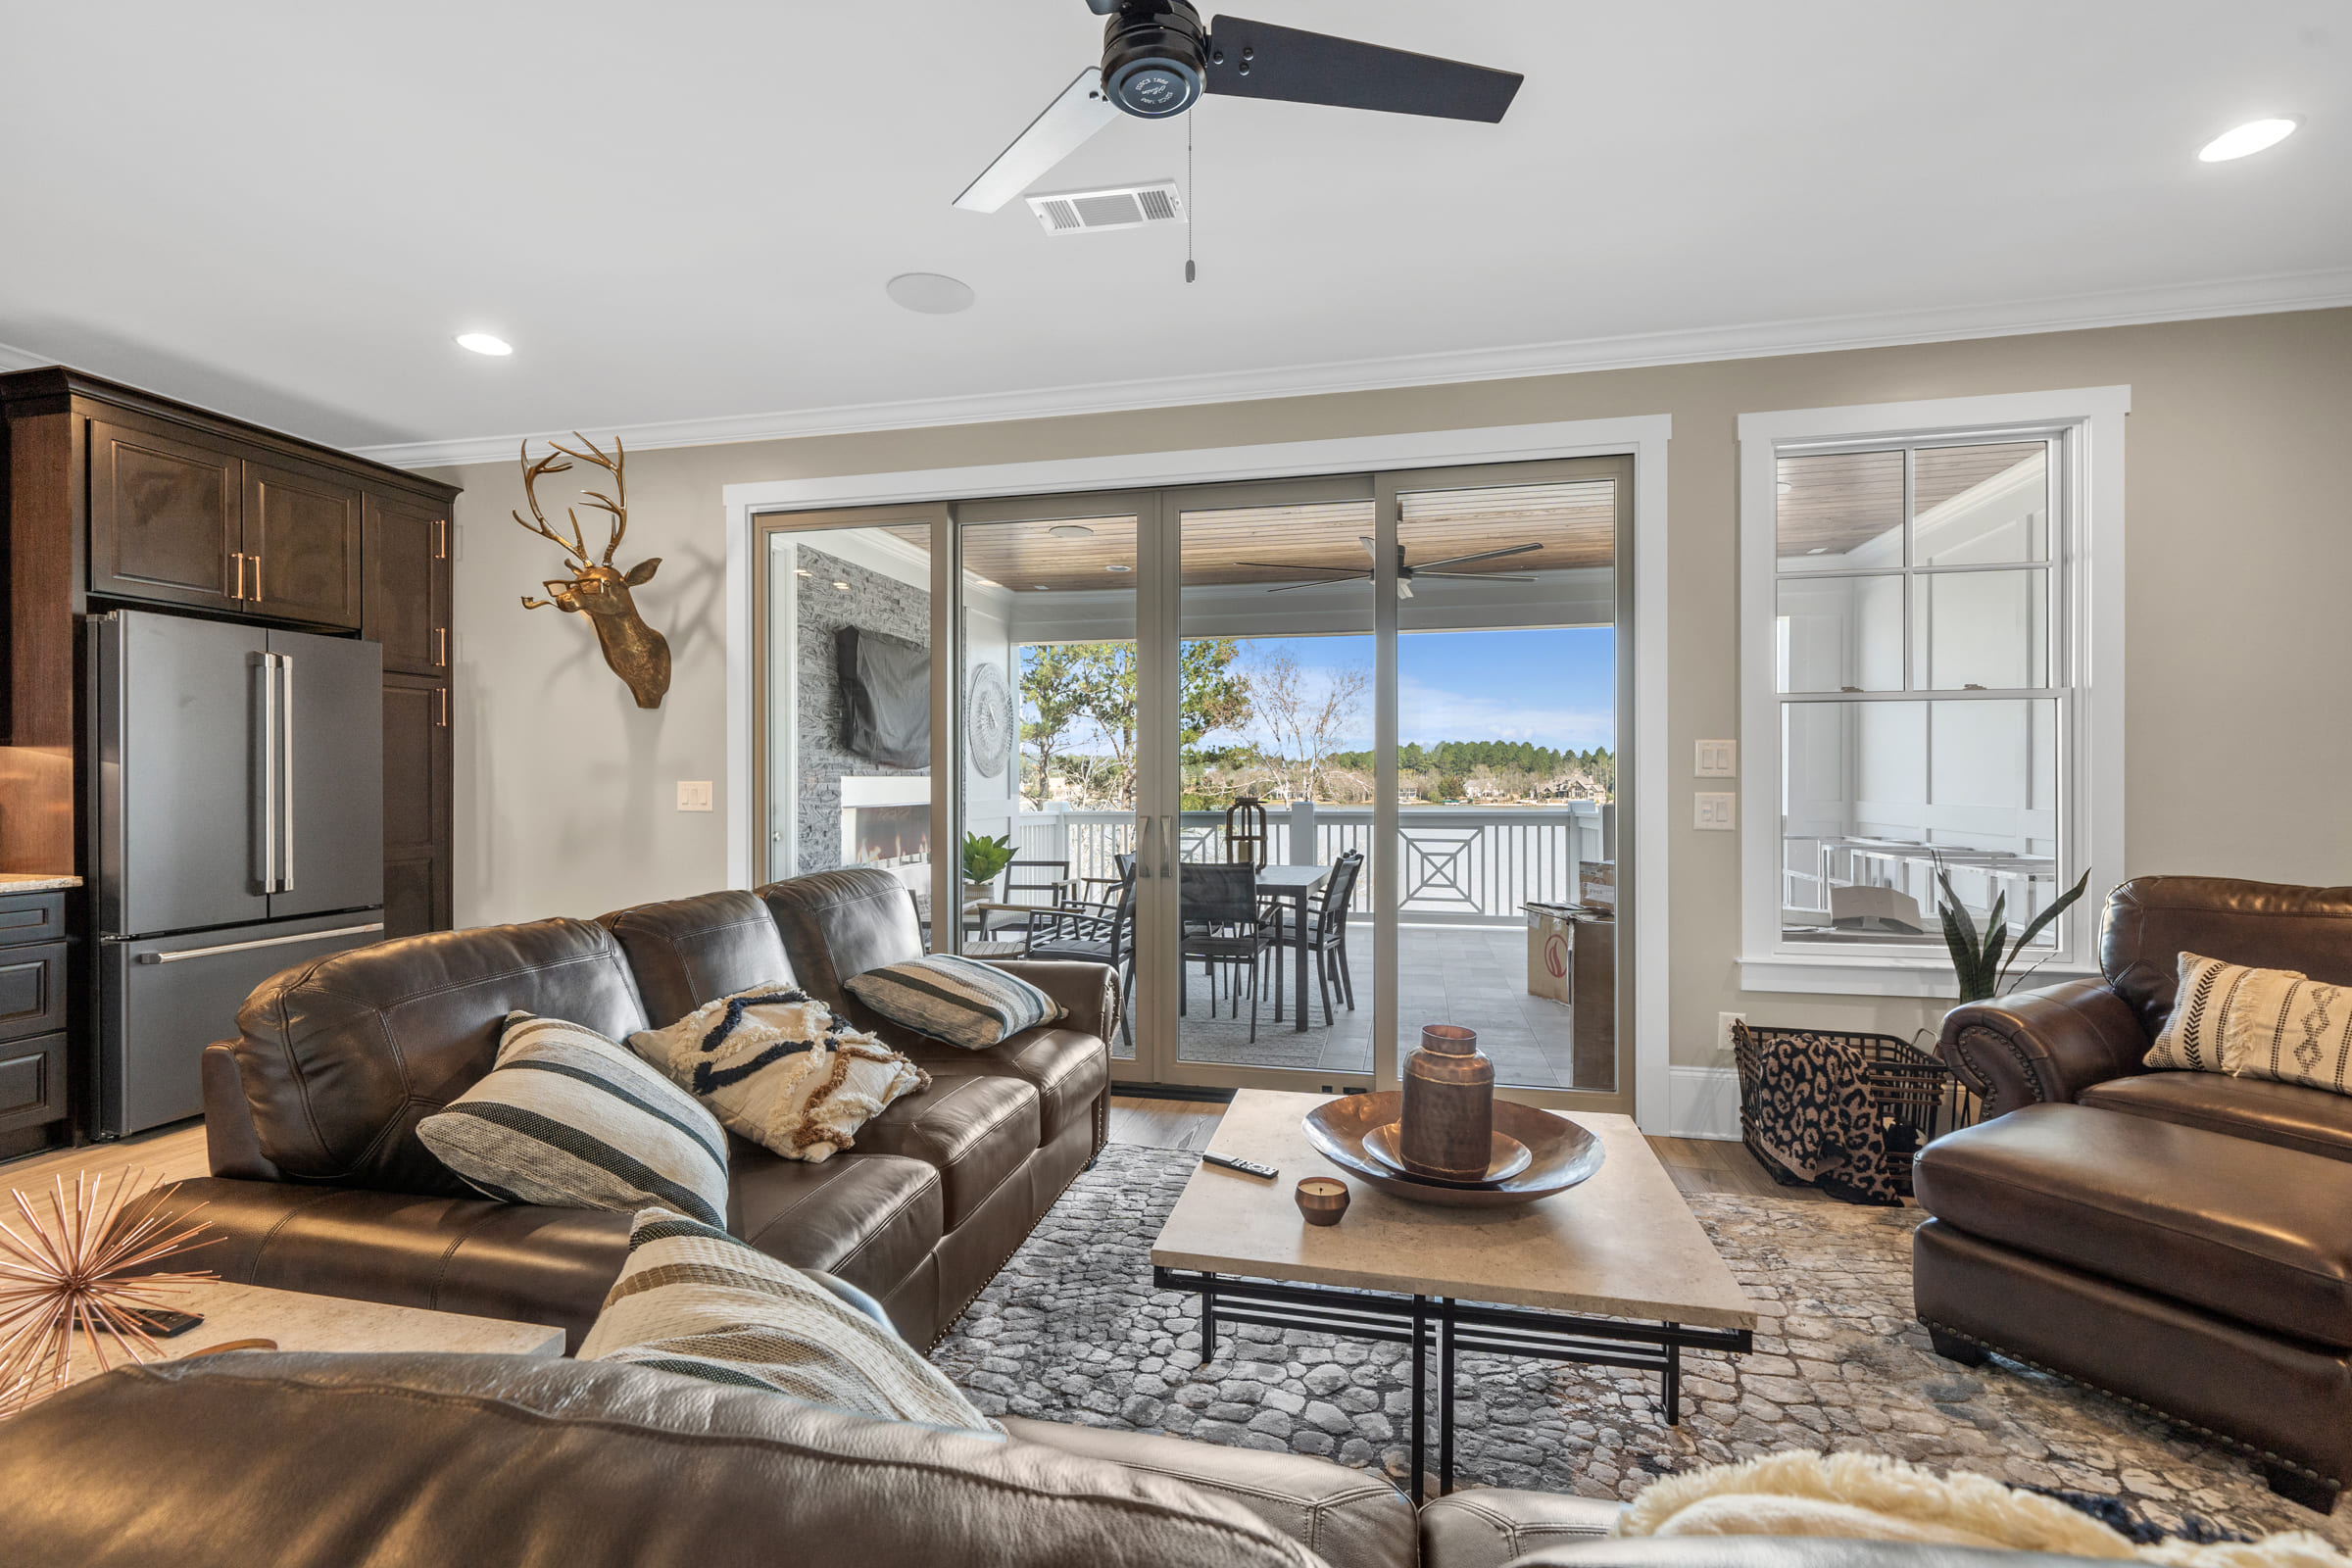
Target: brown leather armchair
[[2183, 1240]]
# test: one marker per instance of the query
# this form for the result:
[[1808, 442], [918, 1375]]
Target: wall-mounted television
[[885, 698]]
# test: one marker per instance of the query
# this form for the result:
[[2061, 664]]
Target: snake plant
[[1982, 965]]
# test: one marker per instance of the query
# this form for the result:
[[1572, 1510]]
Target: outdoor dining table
[[1294, 885]]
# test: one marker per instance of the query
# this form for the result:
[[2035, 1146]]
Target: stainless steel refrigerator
[[237, 828]]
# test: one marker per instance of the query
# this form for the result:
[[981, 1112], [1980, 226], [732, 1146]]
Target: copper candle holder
[[1322, 1199]]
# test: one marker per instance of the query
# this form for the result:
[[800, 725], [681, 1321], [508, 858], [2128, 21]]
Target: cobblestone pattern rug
[[1072, 1329]]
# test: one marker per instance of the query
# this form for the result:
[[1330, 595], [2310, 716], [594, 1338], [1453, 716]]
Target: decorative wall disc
[[988, 721]]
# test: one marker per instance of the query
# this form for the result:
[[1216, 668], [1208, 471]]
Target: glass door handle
[[1167, 836], [1143, 847]]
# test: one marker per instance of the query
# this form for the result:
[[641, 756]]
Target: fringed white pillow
[[693, 1301], [781, 1068]]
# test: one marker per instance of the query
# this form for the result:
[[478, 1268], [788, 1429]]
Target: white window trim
[[2092, 777]]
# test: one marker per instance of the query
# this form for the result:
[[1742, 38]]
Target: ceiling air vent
[[1083, 212]]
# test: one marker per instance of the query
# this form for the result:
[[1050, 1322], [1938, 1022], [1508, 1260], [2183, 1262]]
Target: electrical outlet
[[694, 795], [1717, 759], [1718, 814], [1723, 1030]]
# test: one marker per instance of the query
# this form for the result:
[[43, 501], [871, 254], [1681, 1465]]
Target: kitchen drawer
[[32, 990], [33, 1082], [32, 917]]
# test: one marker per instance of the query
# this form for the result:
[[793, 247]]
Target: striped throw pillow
[[693, 1301], [2292, 1029], [956, 1000], [569, 1118], [2214, 996]]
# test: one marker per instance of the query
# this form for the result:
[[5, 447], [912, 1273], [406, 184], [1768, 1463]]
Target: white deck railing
[[1459, 866]]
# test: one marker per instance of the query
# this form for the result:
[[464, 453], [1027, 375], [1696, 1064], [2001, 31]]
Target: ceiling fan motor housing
[[1154, 56]]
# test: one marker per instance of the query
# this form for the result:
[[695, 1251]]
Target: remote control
[[1247, 1167]]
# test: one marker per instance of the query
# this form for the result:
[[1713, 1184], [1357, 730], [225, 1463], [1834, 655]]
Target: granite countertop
[[35, 882]]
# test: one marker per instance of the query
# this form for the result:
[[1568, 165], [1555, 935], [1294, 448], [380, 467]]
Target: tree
[[1306, 723], [1450, 787], [1214, 696], [1053, 689], [1067, 685]]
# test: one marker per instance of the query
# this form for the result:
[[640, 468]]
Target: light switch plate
[[694, 795], [1715, 812], [1717, 759]]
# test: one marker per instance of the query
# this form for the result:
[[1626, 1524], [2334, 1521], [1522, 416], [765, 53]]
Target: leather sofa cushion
[[317, 1461], [869, 1218], [341, 1058], [1772, 1551], [1069, 1070], [686, 951], [2289, 1115], [974, 1131], [2151, 920], [1347, 1518], [451, 1254], [1491, 1526], [2252, 1231], [839, 923]]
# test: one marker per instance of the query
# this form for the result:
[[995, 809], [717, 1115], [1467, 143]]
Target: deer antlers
[[617, 504]]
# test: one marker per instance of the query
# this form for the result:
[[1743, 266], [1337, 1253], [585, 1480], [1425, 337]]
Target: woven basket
[[1912, 1090]]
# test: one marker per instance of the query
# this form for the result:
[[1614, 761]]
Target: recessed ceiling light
[[1042, 587], [1818, 550], [1786, 487], [2251, 137], [1071, 530], [1117, 566], [484, 343], [931, 293]]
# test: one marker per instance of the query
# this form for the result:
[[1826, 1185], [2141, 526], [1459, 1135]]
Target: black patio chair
[[1326, 933], [1034, 884], [1095, 932], [1224, 927]]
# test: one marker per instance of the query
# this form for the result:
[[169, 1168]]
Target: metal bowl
[[1562, 1153]]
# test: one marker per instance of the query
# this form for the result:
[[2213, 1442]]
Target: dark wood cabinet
[[302, 546], [407, 584], [167, 515], [417, 860]]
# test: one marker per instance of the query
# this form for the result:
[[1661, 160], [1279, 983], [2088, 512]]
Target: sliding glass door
[[1314, 763]]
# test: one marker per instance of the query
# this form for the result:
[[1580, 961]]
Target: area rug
[[1072, 1329]]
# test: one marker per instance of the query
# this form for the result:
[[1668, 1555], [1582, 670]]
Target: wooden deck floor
[[1696, 1165]]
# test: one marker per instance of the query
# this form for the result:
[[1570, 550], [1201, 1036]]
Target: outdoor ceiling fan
[[1157, 60], [1405, 573]]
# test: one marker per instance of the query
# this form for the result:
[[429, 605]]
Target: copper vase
[[1446, 1125]]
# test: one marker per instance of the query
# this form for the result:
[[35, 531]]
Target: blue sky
[[1554, 688]]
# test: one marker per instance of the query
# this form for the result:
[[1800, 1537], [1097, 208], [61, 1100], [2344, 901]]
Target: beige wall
[[2240, 640]]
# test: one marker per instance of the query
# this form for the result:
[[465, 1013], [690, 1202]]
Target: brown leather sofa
[[2181, 1240], [321, 1184]]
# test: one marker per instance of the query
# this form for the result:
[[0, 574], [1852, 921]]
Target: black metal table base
[[1449, 1327]]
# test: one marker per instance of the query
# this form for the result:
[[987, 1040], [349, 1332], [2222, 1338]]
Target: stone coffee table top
[[299, 1321], [1620, 1245]]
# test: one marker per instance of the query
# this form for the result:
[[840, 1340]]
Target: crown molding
[[13, 358]]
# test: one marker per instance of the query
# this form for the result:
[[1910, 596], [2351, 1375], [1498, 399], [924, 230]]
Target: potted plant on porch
[[984, 860]]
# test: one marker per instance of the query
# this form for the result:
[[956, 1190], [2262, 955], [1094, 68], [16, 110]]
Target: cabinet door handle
[[257, 577], [441, 646], [441, 713], [238, 592], [440, 538]]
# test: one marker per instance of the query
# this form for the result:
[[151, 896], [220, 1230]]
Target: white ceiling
[[688, 212]]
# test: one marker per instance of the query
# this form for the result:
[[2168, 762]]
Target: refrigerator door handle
[[285, 776], [182, 955], [269, 779]]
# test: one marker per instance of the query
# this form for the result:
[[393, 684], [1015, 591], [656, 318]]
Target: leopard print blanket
[[1812, 1112]]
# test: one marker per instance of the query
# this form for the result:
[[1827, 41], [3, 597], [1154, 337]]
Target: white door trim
[[1643, 437]]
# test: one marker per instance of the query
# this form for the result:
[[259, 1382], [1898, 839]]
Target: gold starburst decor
[[72, 1269]]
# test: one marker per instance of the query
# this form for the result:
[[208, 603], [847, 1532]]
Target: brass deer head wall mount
[[598, 589]]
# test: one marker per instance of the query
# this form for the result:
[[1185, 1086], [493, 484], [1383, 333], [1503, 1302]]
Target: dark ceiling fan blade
[[1259, 60], [1321, 582], [1291, 565], [1068, 123], [1483, 555]]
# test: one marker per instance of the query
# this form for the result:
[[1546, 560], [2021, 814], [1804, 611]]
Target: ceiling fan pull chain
[[1194, 216]]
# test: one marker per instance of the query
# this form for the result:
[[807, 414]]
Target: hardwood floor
[[1697, 1165]]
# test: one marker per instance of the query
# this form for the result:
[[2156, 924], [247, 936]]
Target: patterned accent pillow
[[569, 1118], [2292, 1029], [956, 1000], [2208, 1022], [693, 1301], [779, 1067]]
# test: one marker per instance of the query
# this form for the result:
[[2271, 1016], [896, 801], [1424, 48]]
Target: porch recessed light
[[1117, 566], [1786, 487], [1071, 530], [1818, 550], [497, 348], [1042, 587], [2246, 139]]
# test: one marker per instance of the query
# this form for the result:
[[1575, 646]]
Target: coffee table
[[300, 1321], [1614, 1272]]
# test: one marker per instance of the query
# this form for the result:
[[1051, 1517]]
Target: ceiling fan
[[1405, 573], [1157, 60]]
